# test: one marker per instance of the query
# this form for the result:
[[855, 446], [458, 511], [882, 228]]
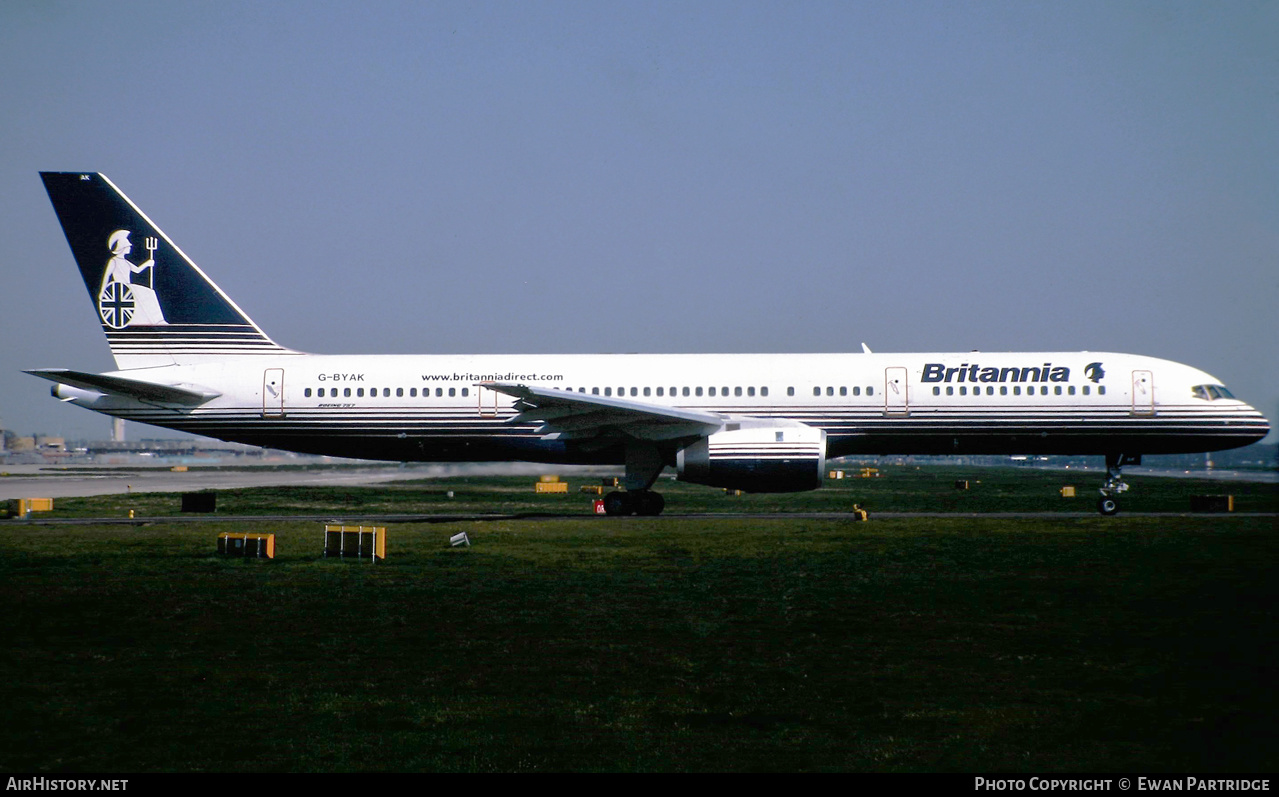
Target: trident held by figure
[[152, 244]]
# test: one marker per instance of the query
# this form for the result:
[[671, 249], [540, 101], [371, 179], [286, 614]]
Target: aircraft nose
[[1258, 425]]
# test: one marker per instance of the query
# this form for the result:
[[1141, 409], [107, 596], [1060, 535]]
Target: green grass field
[[721, 644]]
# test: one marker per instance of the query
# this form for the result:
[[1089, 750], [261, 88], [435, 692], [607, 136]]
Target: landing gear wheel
[[1114, 485], [640, 502], [618, 504], [649, 503]]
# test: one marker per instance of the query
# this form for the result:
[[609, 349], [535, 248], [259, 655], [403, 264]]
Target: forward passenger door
[[1143, 393], [896, 401]]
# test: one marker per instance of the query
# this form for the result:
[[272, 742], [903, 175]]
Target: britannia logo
[[128, 297], [1094, 372]]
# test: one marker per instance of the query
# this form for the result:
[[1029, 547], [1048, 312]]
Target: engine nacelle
[[74, 394], [764, 459]]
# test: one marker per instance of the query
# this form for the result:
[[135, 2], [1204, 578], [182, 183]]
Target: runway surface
[[26, 481]]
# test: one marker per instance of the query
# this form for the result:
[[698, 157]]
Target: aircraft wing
[[190, 395], [567, 415]]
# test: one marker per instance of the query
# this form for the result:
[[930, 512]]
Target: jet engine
[[763, 459]]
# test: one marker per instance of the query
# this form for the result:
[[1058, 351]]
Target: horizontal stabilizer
[[190, 395]]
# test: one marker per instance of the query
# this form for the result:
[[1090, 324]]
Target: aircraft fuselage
[[437, 408]]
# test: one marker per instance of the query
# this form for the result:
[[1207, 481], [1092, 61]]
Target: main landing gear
[[638, 502], [1108, 504], [644, 463]]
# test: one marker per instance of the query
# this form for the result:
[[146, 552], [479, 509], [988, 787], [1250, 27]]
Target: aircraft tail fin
[[155, 305]]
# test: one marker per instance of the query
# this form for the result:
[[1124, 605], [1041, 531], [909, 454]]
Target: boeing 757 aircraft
[[189, 359]]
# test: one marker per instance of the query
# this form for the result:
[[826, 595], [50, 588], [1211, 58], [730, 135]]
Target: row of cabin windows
[[1030, 390], [452, 392], [675, 391], [358, 392], [710, 391], [736, 392]]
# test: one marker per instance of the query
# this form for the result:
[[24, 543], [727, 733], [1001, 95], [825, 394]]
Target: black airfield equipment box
[[203, 501], [1212, 503]]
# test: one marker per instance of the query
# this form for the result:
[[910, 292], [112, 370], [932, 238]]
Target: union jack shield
[[116, 305]]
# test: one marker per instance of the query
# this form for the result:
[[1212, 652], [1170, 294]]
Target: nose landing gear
[[1108, 504]]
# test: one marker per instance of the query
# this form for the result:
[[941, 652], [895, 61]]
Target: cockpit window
[[1211, 392]]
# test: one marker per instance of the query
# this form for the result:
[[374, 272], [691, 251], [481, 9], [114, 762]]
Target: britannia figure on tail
[[128, 295]]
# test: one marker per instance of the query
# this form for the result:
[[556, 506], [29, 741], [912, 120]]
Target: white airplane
[[190, 359]]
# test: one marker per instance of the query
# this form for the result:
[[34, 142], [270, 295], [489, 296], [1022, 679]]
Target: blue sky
[[663, 176]]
